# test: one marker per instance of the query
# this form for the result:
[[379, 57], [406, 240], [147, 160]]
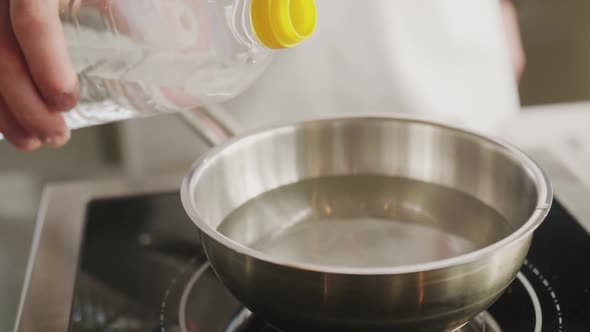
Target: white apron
[[443, 58]]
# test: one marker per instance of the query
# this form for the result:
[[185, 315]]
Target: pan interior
[[364, 221], [375, 192]]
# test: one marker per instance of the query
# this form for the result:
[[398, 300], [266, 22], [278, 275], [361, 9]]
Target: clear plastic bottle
[[144, 57]]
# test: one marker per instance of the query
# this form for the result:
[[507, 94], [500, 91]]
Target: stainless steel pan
[[391, 223]]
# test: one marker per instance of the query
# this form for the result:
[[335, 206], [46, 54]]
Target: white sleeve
[[442, 58]]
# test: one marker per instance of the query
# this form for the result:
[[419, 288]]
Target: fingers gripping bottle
[[144, 57]]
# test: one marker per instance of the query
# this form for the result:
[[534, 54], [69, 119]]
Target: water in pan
[[364, 221]]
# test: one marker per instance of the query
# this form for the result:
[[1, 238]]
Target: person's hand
[[517, 55], [37, 81]]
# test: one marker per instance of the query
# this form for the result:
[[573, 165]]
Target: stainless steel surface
[[431, 295], [205, 296], [211, 123]]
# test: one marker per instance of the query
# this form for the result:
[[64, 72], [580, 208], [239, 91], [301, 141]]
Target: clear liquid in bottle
[[139, 58]]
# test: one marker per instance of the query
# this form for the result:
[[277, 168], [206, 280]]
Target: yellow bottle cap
[[282, 23]]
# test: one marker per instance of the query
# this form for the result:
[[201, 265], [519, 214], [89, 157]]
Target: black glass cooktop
[[142, 269]]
